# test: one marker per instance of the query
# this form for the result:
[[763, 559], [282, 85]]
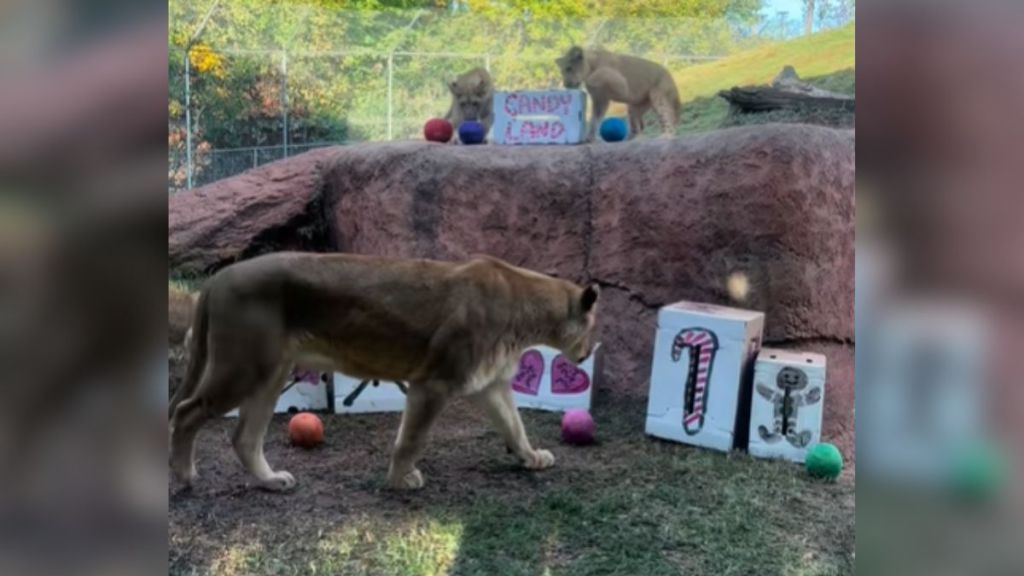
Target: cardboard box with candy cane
[[700, 374]]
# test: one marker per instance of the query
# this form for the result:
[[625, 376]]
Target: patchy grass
[[821, 54], [826, 60], [628, 505]]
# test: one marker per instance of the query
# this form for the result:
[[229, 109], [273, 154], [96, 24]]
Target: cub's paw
[[279, 482], [539, 460], [411, 481]]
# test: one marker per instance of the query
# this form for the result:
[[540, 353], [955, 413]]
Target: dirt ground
[[628, 505]]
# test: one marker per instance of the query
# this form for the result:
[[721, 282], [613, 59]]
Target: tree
[[808, 17]]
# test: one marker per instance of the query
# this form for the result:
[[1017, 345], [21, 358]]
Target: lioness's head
[[471, 93], [577, 338], [573, 67]]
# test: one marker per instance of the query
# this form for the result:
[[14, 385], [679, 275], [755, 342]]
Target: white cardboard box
[[539, 117], [308, 393], [545, 380], [375, 395], [701, 373], [786, 406]]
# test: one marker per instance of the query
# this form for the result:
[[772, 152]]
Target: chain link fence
[[339, 77]]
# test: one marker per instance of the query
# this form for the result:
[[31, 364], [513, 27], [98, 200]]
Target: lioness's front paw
[[280, 482], [539, 460], [411, 481]]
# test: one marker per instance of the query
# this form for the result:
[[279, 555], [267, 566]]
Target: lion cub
[[472, 99], [608, 77]]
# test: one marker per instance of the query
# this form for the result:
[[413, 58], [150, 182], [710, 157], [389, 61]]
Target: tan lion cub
[[472, 99], [608, 77], [445, 328]]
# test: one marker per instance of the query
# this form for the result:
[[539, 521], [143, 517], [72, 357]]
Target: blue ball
[[471, 132], [614, 130]]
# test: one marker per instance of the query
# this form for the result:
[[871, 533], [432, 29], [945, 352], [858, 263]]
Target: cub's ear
[[575, 54], [453, 86], [561, 61], [589, 297]]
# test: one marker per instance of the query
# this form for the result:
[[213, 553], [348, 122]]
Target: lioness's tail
[[196, 354]]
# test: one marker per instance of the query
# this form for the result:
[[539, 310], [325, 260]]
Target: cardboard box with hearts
[[547, 380], [544, 380], [306, 390]]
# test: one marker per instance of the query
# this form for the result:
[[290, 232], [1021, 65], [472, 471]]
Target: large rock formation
[[653, 221], [272, 207]]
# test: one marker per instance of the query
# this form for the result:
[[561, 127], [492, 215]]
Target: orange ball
[[306, 430]]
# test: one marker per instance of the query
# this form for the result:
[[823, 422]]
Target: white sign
[[539, 117], [701, 369]]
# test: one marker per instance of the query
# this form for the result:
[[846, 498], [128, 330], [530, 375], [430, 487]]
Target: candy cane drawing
[[702, 344]]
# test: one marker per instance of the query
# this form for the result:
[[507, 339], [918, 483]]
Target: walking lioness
[[445, 328], [609, 77]]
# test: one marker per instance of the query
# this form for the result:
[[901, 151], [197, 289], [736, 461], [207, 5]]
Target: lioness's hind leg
[[498, 403], [666, 110], [636, 119], [253, 418], [422, 406], [189, 417]]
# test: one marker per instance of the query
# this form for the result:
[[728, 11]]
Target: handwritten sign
[[539, 117]]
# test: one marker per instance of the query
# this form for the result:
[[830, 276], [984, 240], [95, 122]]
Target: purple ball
[[472, 132], [577, 427]]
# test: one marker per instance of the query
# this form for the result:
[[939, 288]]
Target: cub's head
[[573, 67], [471, 94], [577, 338]]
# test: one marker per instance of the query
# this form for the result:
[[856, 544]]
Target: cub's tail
[[195, 342]]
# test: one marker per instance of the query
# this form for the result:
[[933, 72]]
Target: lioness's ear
[[575, 54], [452, 85], [589, 297], [560, 61]]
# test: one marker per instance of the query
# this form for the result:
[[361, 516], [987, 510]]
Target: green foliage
[[346, 59]]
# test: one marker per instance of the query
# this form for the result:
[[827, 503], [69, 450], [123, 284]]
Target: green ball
[[824, 461]]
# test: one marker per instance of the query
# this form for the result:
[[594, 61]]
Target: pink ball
[[577, 427]]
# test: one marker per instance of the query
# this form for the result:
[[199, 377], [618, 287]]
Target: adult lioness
[[446, 328], [608, 77]]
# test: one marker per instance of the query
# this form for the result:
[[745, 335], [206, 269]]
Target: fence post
[[255, 159], [188, 119], [284, 97], [391, 61]]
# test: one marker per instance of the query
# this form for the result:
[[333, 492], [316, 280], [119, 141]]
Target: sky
[[794, 7]]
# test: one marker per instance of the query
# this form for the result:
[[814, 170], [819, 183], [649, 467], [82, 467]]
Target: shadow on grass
[[629, 505]]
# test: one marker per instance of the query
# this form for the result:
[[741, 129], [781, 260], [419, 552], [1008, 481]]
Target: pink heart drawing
[[303, 375], [531, 368], [567, 378]]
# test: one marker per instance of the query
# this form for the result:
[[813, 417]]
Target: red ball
[[438, 130], [577, 427], [306, 430]]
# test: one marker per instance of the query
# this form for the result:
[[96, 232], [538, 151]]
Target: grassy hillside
[[825, 59]]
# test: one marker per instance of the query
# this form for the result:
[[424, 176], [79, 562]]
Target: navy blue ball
[[471, 132], [614, 130]]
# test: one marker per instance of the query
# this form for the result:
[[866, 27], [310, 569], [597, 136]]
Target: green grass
[[632, 505], [826, 60], [820, 54]]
